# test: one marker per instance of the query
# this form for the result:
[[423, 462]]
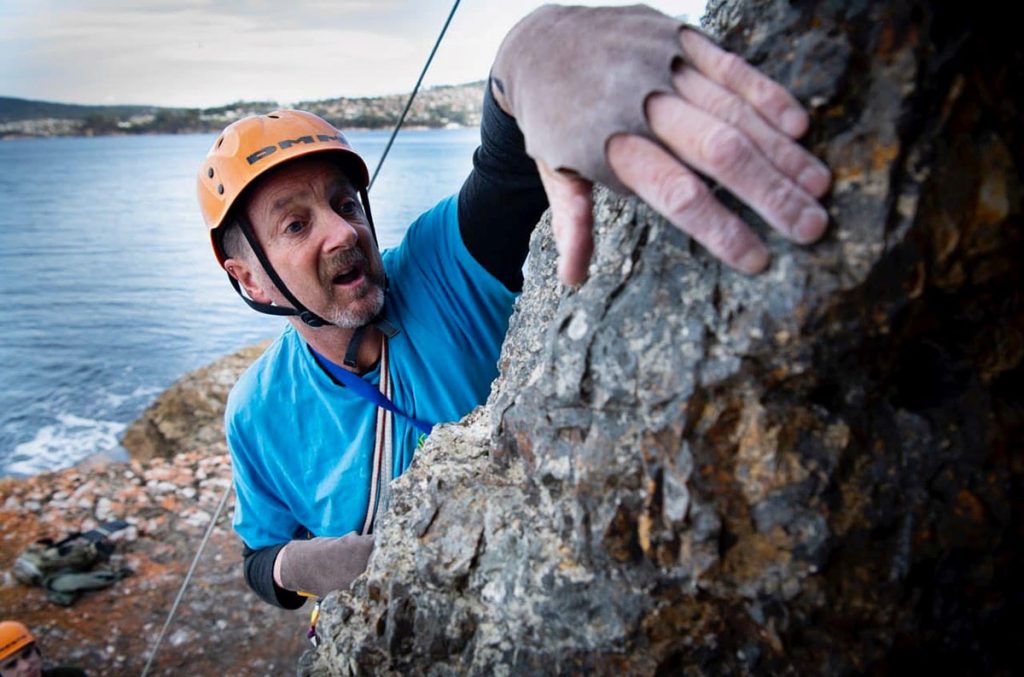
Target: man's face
[[25, 663], [308, 218]]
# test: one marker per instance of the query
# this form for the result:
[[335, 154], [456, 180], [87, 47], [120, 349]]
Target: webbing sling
[[367, 391], [383, 448]]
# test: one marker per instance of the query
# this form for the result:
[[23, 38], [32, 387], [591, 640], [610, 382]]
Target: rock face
[[682, 469]]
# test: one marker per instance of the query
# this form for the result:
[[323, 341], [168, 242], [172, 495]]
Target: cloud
[[206, 53]]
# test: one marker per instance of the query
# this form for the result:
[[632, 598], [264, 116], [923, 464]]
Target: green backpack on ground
[[64, 568]]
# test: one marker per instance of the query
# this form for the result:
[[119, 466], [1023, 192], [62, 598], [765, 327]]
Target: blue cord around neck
[[366, 390]]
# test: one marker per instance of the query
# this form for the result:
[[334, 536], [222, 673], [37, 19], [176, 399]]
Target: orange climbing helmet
[[248, 149], [252, 146], [13, 638]]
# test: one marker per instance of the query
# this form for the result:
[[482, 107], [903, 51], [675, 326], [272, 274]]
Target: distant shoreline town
[[435, 107]]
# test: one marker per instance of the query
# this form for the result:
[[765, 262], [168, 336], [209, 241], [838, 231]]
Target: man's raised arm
[[502, 199]]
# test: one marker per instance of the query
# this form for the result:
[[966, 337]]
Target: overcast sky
[[208, 53]]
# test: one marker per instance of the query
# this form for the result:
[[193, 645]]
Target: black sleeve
[[502, 200], [259, 574]]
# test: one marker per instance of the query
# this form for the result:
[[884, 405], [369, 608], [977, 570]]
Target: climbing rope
[[188, 579], [227, 490], [408, 104]]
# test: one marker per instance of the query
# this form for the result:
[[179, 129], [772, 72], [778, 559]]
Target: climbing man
[[382, 346], [20, 655]]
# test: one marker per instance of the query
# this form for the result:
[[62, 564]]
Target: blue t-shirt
[[302, 446]]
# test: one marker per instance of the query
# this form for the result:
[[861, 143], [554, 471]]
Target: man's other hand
[[322, 564]]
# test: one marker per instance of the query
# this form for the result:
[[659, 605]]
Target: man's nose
[[340, 233]]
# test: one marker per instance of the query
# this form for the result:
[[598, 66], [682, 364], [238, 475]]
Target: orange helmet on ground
[[252, 146], [13, 638]]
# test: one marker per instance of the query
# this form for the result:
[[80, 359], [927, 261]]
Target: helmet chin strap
[[298, 309]]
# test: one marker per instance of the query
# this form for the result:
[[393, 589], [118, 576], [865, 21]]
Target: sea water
[[109, 291]]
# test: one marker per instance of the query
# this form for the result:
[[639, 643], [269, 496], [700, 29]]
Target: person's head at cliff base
[[19, 654], [284, 197]]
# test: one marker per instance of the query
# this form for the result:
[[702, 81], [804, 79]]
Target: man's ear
[[247, 277]]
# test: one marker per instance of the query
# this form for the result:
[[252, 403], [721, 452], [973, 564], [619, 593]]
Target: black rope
[[408, 104]]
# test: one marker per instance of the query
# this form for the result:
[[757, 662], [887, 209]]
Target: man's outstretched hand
[[725, 120]]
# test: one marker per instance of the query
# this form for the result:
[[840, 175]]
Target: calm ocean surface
[[109, 291]]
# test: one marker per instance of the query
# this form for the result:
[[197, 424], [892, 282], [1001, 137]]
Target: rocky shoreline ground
[[168, 493]]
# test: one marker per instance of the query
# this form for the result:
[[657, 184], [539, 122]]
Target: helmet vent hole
[[220, 141], [274, 116], [220, 189], [209, 172]]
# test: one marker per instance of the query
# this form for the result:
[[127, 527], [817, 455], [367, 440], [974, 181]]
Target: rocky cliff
[[815, 470], [168, 493], [190, 414]]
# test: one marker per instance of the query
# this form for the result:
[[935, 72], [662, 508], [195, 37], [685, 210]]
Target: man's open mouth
[[348, 276]]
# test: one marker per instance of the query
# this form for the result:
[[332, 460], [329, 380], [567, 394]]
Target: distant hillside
[[12, 109], [457, 105], [442, 106]]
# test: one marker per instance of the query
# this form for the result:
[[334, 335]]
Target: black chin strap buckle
[[384, 326], [311, 319]]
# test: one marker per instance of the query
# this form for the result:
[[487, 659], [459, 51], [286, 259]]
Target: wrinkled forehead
[[296, 178], [304, 171]]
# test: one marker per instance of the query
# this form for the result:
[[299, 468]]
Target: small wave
[[146, 391], [141, 396], [64, 443]]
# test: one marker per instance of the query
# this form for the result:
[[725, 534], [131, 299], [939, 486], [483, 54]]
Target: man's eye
[[294, 227], [348, 207]]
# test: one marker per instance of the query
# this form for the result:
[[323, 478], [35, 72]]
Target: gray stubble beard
[[351, 318]]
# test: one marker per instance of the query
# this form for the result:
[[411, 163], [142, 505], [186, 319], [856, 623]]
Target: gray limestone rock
[[685, 470]]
